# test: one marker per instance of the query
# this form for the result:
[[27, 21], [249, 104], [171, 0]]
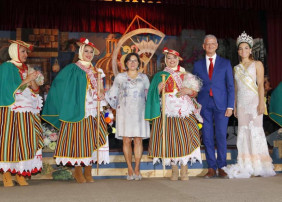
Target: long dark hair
[[128, 58]]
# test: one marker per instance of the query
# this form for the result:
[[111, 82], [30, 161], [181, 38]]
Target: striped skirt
[[78, 141], [20, 142], [182, 140]]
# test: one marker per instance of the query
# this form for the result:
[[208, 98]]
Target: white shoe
[[138, 177], [130, 177]]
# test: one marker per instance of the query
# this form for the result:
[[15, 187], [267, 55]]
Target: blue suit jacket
[[222, 83]]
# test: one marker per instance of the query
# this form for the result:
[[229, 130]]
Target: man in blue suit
[[217, 100]]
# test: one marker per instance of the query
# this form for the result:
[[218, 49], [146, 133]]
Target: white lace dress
[[253, 156]]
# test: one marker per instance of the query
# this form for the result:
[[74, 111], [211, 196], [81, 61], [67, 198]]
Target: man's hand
[[228, 112]]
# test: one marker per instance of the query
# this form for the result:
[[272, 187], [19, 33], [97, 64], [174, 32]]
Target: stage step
[[118, 168]]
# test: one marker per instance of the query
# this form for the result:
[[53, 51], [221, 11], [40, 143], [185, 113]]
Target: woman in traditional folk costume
[[20, 126], [275, 106], [71, 106], [128, 97], [253, 156], [182, 116]]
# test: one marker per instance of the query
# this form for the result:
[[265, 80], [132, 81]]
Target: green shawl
[[275, 107], [66, 97], [10, 81], [153, 107]]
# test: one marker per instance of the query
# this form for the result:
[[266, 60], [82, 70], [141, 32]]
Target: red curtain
[[92, 16], [274, 31], [223, 18]]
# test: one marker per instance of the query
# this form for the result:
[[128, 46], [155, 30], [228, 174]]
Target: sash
[[90, 75], [244, 76], [175, 77]]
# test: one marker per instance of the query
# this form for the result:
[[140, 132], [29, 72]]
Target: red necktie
[[210, 72]]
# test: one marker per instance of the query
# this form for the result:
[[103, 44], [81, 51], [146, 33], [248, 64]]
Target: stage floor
[[256, 189]]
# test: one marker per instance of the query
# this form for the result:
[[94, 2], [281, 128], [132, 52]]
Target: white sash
[[244, 76]]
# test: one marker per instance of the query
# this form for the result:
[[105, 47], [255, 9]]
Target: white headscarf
[[14, 54], [80, 56]]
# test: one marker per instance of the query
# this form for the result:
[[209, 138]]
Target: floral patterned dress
[[128, 97]]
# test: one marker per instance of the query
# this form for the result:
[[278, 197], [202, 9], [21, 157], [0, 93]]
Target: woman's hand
[[161, 86], [235, 112], [31, 77], [261, 108], [186, 91], [101, 95]]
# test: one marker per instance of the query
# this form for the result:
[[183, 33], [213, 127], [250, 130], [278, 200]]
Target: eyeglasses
[[133, 61]]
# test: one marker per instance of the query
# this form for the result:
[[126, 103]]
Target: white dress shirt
[[208, 61]]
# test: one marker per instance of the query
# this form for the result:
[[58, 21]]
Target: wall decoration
[[144, 41], [46, 41]]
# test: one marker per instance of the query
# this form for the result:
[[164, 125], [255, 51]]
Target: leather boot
[[21, 180], [88, 174], [184, 173], [7, 179], [78, 175], [174, 173]]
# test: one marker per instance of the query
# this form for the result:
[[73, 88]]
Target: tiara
[[244, 38]]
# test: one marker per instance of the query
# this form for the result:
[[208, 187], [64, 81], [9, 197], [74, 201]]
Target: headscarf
[[14, 51], [177, 67], [80, 56], [84, 65], [14, 54]]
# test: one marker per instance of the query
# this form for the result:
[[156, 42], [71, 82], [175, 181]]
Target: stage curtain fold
[[223, 18], [274, 33], [93, 16]]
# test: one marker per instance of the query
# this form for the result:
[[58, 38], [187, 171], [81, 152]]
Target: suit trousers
[[214, 129]]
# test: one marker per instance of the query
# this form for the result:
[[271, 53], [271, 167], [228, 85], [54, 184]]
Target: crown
[[244, 38]]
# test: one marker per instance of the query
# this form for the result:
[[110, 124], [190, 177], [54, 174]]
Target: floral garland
[[50, 136]]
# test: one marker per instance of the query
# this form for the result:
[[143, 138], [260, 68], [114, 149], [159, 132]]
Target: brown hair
[[128, 58]]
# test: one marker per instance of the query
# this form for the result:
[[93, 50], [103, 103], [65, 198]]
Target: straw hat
[[166, 51], [22, 43], [84, 41]]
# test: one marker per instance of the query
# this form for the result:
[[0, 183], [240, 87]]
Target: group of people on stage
[[207, 95]]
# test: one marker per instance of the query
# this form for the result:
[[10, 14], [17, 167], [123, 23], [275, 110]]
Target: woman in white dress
[[128, 97], [253, 156]]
